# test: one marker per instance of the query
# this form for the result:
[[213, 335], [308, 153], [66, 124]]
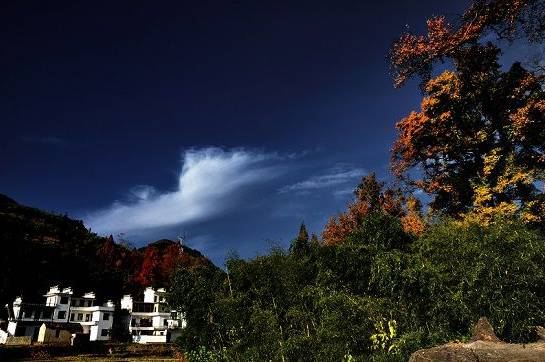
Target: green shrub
[[202, 354], [379, 296], [454, 274]]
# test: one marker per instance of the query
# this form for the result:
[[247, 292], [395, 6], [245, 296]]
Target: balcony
[[141, 323], [141, 307], [36, 312]]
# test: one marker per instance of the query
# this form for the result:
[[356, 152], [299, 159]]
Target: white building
[[151, 320], [25, 319], [3, 336]]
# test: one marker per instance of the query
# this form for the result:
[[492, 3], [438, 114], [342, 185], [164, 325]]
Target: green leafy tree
[[456, 273], [300, 246], [193, 292]]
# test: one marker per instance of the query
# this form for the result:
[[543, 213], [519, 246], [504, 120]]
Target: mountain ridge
[[41, 249]]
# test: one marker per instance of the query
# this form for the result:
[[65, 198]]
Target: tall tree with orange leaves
[[478, 142], [415, 55]]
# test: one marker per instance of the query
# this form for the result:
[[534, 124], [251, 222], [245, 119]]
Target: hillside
[[40, 249]]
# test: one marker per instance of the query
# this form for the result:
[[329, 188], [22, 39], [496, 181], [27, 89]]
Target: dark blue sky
[[229, 121]]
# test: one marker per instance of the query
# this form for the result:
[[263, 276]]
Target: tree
[[300, 246], [303, 233], [120, 325], [478, 140], [148, 271], [372, 196], [193, 292], [314, 241], [412, 221], [414, 55], [456, 273]]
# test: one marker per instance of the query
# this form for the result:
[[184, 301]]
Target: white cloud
[[142, 192], [207, 184], [344, 192], [334, 178]]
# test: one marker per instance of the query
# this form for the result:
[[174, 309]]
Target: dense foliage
[[378, 295], [372, 196], [479, 139], [477, 145]]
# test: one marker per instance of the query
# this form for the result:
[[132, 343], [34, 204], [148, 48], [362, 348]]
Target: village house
[[58, 333], [3, 333], [63, 316], [61, 309], [151, 320]]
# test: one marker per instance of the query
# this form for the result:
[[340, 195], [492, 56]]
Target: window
[[165, 322], [57, 333], [155, 298], [80, 316], [61, 314], [139, 307], [87, 317], [106, 317], [64, 300], [104, 332], [145, 322], [72, 315]]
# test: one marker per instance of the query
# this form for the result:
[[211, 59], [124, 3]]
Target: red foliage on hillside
[[149, 265]]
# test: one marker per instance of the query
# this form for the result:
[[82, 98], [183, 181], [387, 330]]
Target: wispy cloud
[[344, 192], [334, 177], [208, 184], [142, 192]]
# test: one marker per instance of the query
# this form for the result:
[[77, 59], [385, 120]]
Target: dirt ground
[[95, 352], [97, 359]]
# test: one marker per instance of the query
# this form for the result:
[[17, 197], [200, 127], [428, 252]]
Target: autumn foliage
[[151, 265], [478, 139], [371, 196], [414, 55], [477, 144]]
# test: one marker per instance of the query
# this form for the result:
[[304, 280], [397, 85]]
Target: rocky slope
[[484, 346]]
